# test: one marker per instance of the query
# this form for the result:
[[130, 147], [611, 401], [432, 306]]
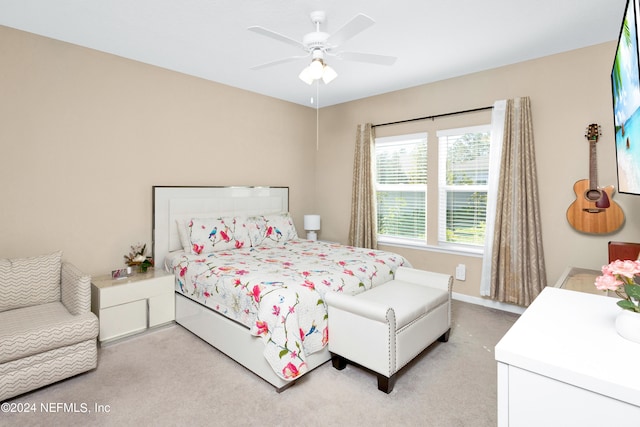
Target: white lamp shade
[[316, 68], [312, 222], [305, 75], [328, 74]]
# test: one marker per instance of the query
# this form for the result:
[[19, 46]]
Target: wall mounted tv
[[625, 88]]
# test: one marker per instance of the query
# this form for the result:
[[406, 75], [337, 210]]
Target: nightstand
[[134, 304]]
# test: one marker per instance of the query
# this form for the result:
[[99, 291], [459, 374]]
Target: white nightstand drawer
[[120, 294], [162, 309], [123, 319]]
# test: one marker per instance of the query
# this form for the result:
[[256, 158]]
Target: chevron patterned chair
[[47, 330]]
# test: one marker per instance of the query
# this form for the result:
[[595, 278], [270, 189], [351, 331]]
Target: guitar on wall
[[594, 211]]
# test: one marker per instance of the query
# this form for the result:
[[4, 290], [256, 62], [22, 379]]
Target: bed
[[246, 284]]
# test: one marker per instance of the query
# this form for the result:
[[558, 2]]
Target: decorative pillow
[[271, 230], [218, 234], [30, 281], [184, 233]]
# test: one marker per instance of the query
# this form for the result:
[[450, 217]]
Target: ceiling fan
[[317, 44]]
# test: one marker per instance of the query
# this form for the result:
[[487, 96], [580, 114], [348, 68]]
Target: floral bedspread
[[278, 291]]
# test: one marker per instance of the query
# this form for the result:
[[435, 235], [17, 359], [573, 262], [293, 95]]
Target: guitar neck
[[593, 166]]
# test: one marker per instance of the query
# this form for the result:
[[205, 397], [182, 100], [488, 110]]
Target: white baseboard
[[488, 303]]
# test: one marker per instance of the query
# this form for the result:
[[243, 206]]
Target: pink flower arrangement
[[137, 257], [622, 278]]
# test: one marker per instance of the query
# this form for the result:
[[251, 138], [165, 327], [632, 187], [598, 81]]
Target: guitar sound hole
[[593, 195]]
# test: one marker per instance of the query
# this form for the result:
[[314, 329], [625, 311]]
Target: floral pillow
[[218, 234], [271, 230]]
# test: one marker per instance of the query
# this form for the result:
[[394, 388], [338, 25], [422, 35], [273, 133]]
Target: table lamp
[[312, 224]]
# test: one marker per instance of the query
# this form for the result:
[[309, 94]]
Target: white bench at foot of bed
[[235, 341], [384, 328]]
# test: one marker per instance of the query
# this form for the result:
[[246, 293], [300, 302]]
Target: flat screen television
[[625, 88]]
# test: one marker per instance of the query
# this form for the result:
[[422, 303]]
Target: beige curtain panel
[[362, 227], [518, 272]]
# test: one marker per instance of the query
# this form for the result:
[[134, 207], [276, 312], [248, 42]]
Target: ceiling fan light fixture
[[316, 68], [328, 74], [305, 75]]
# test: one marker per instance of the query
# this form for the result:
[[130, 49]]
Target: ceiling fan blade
[[359, 23], [277, 62], [277, 36], [367, 57]]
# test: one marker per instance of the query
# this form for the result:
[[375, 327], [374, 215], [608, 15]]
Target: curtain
[[513, 267], [363, 224], [495, 154]]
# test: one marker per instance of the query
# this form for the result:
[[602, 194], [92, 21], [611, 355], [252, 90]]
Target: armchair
[[47, 330]]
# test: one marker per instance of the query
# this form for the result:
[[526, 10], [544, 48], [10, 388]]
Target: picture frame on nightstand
[[122, 273]]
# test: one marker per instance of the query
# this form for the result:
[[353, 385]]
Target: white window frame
[[443, 188], [390, 140]]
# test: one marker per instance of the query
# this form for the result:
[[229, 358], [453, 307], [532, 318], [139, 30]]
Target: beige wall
[[85, 135], [568, 92]]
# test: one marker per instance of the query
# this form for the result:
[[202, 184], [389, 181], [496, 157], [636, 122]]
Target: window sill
[[420, 245]]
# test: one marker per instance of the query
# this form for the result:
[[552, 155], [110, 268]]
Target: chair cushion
[[409, 301], [29, 373], [31, 330], [29, 281]]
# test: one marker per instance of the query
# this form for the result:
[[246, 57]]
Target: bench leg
[[338, 362], [386, 383], [445, 337]]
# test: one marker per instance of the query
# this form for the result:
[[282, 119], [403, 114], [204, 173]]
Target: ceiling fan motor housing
[[315, 40]]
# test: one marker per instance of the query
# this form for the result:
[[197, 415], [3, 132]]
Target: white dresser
[[563, 364], [130, 305]]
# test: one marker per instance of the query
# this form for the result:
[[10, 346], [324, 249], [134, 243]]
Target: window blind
[[401, 185], [463, 170]]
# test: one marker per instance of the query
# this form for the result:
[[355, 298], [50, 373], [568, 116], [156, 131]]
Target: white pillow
[[184, 233]]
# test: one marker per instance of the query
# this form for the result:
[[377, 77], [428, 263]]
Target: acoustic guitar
[[594, 211]]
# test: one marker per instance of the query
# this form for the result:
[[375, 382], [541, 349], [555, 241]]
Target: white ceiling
[[432, 39]]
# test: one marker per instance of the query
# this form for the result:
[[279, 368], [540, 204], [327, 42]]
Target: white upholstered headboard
[[174, 203]]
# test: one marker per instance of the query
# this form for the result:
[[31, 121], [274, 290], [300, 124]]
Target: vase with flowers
[[623, 277], [137, 257]]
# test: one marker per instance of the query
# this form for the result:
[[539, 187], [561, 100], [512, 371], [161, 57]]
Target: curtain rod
[[434, 117]]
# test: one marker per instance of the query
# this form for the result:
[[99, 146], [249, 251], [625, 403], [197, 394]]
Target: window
[[401, 186], [463, 171], [453, 218]]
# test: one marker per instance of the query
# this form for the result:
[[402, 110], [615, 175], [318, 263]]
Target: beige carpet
[[171, 378]]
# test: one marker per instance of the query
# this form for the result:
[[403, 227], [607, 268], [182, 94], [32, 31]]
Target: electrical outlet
[[461, 272]]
